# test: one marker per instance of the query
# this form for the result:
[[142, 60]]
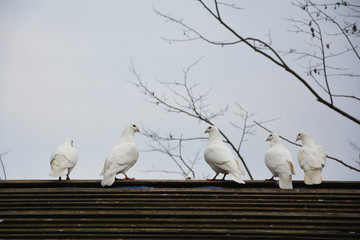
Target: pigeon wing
[[321, 155], [312, 157], [278, 160], [64, 156], [121, 158], [63, 160], [220, 157]]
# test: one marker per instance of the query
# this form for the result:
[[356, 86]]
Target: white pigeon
[[220, 158], [278, 159], [122, 157], [312, 158], [63, 159]]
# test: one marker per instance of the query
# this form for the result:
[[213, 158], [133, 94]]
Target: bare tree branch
[[357, 149], [354, 146], [230, 5], [185, 101], [266, 50], [246, 128], [2, 163], [163, 171], [174, 152], [338, 25]]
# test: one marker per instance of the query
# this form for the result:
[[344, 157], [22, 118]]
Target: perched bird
[[312, 158], [279, 161], [220, 158], [63, 159], [122, 157]]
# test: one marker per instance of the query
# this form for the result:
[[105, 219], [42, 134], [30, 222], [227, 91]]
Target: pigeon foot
[[270, 179]]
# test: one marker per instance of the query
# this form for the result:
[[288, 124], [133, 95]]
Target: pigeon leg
[[67, 177], [128, 178], [59, 178], [270, 179], [214, 178], [223, 179]]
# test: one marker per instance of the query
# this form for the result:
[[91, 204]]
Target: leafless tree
[[324, 26], [185, 99]]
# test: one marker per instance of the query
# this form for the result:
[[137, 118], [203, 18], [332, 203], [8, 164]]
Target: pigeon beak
[[138, 130], [267, 140]]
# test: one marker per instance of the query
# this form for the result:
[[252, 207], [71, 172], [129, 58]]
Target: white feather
[[278, 159], [312, 158], [122, 157], [63, 159], [220, 158]]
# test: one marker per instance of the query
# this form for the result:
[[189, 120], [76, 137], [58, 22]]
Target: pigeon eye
[[270, 135], [134, 125]]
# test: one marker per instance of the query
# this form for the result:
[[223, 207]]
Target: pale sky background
[[63, 71]]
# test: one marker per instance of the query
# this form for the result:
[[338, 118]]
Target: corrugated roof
[[178, 210]]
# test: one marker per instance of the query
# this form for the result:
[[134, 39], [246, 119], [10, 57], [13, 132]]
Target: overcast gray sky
[[63, 72]]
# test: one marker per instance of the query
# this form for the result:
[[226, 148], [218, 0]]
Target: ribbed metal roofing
[[178, 210]]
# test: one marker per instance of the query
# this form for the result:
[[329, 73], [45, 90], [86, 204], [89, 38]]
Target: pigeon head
[[273, 137], [211, 129], [134, 127], [301, 136], [129, 132], [214, 134], [304, 137], [69, 141]]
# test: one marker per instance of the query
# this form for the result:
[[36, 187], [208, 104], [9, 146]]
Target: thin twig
[[2, 163]]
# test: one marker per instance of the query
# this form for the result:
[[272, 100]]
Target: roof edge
[[95, 183]]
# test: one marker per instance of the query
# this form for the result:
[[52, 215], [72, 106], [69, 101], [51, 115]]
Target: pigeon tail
[[236, 176], [58, 172], [312, 177], [108, 180], [285, 181]]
